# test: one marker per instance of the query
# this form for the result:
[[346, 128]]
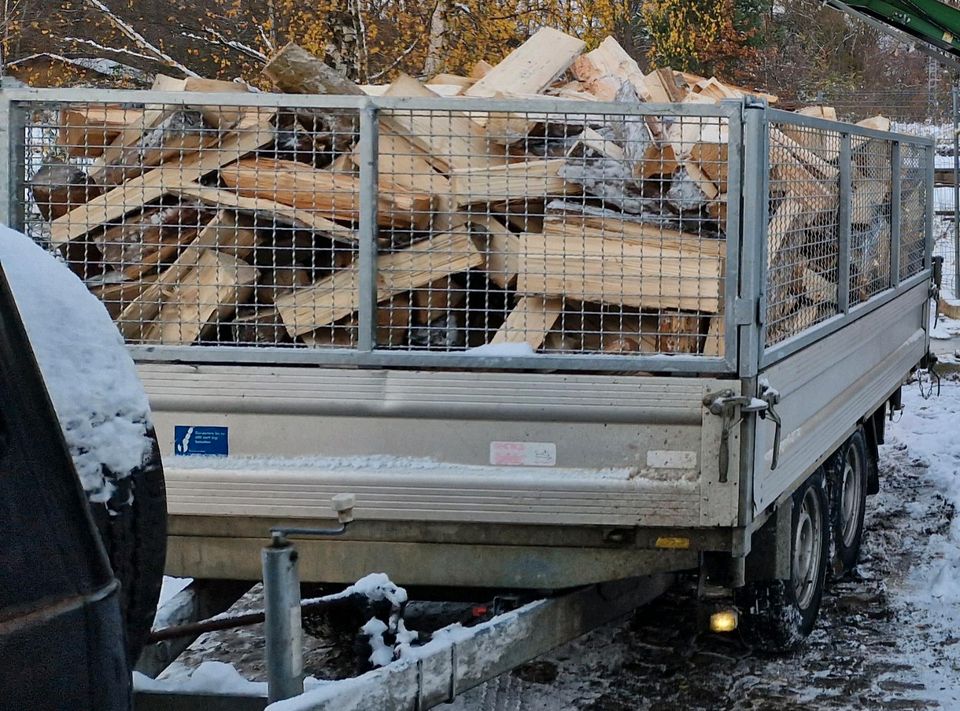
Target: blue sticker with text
[[191, 440]]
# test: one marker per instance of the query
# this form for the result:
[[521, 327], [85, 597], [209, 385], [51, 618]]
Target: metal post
[[753, 260], [930, 155], [896, 189], [956, 190], [369, 175], [12, 163], [843, 218], [284, 633]]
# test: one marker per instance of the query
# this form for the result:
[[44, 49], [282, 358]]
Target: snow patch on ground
[[90, 376], [170, 587]]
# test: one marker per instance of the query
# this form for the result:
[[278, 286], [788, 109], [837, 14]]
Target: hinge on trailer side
[[746, 311]]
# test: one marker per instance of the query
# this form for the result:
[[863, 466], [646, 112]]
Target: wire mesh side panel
[[559, 233], [870, 213], [199, 224], [803, 235], [913, 211], [519, 232]]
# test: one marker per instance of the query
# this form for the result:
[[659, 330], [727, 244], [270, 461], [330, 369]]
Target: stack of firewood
[[568, 232]]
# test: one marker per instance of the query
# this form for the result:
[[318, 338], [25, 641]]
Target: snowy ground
[[888, 636]]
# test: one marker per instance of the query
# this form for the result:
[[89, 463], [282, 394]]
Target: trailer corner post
[[283, 629], [369, 177], [843, 218], [895, 213], [753, 260], [931, 157], [11, 162]]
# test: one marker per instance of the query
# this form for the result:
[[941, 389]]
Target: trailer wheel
[[779, 614], [133, 528], [849, 471]]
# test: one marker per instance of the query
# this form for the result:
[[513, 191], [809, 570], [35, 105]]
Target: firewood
[[337, 296], [266, 211], [615, 262], [221, 117], [714, 344], [206, 296], [451, 80], [258, 325], [274, 283], [818, 288], [130, 247], [86, 130], [393, 324], [57, 188], [530, 321], [136, 192], [451, 140], [115, 295], [432, 301], [532, 67], [679, 333], [501, 247], [480, 70], [516, 181], [334, 195], [402, 164], [225, 233]]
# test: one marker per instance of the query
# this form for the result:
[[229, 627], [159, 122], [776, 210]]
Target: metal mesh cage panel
[[520, 232]]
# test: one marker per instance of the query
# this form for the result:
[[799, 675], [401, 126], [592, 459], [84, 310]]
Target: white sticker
[[671, 459], [523, 454]]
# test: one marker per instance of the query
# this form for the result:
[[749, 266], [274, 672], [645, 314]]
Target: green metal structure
[[934, 26]]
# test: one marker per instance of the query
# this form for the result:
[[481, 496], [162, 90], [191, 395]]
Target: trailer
[[638, 339]]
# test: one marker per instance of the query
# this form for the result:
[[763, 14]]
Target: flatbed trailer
[[748, 461]]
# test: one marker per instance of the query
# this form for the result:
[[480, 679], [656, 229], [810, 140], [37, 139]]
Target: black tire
[[777, 615], [133, 528], [848, 472]]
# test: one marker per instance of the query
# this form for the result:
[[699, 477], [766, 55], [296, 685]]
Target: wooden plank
[[602, 260], [530, 321], [516, 181], [451, 139], [224, 233], [206, 296], [146, 188], [332, 195], [531, 67], [337, 296], [267, 209]]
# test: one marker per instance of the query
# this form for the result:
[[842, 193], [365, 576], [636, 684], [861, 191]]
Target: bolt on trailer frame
[[409, 246]]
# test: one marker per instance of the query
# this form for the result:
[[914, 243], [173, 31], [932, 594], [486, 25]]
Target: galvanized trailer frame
[[528, 526]]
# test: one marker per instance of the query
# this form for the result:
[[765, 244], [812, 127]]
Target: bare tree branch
[[403, 55], [127, 30]]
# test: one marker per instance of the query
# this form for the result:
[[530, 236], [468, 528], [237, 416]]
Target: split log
[[139, 244], [225, 233], [266, 212], [393, 326], [334, 195], [338, 296], [294, 70], [531, 67], [512, 182], [501, 247], [277, 282], [622, 263], [530, 321], [714, 344], [136, 192], [206, 296], [86, 130], [57, 188], [451, 139], [116, 295], [403, 164], [220, 117]]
